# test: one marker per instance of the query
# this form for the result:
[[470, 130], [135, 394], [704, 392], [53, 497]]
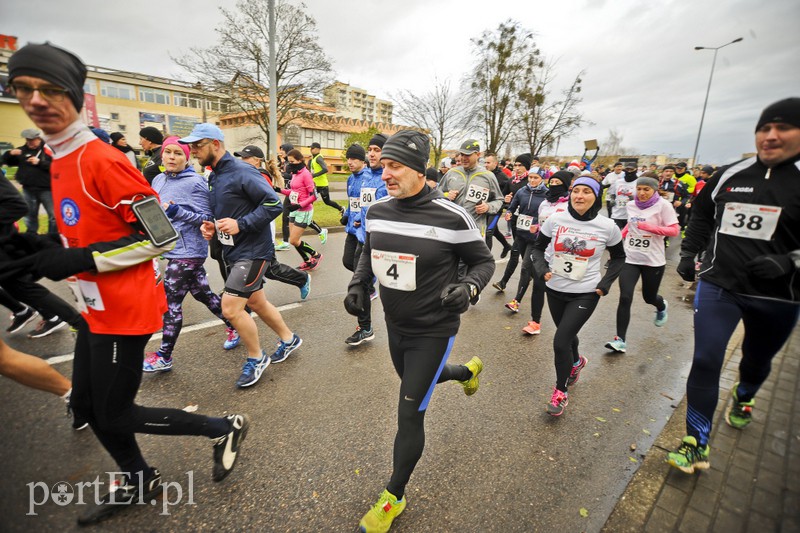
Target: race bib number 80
[[395, 270], [569, 266], [751, 221]]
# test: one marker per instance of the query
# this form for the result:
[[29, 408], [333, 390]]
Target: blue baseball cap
[[203, 131]]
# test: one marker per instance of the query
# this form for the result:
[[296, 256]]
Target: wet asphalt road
[[319, 449]]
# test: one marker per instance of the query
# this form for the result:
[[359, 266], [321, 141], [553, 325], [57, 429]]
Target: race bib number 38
[[570, 266], [395, 270], [751, 221]]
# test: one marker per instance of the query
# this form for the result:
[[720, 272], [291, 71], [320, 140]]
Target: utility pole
[[273, 92]]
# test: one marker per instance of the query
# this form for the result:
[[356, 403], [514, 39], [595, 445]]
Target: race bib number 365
[[751, 221], [477, 194], [395, 270]]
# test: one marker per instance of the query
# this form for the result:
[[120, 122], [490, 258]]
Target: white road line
[[157, 336]]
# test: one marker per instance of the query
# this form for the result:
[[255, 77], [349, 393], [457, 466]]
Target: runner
[[522, 164], [650, 219], [745, 218], [301, 197], [610, 178], [574, 285], [121, 300], [414, 242], [184, 196], [319, 172], [620, 193]]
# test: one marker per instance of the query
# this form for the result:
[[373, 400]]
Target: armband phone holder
[[154, 220]]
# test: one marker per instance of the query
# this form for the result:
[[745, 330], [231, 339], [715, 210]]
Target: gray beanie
[[408, 147], [648, 179]]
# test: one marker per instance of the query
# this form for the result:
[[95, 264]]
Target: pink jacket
[[303, 184]]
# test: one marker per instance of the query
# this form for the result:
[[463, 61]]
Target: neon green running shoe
[[689, 456], [475, 365], [283, 246], [379, 519], [741, 413]]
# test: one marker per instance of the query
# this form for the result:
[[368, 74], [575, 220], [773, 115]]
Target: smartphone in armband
[[154, 220]]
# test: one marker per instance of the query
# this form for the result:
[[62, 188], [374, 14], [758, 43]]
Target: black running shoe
[[46, 327], [122, 494], [226, 449], [361, 335], [20, 321]]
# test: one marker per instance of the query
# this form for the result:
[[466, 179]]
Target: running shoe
[[505, 252], [78, 422], [281, 246], [513, 306], [306, 288], [305, 266], [474, 365], [123, 493], [533, 328], [373, 295], [226, 448], [46, 327], [361, 335], [689, 456], [741, 413], [285, 349], [617, 345], [252, 370], [558, 402], [575, 373], [661, 316], [499, 285], [501, 260], [155, 362], [21, 320], [231, 339], [323, 235], [314, 261], [379, 519]]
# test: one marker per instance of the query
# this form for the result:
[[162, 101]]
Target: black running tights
[[651, 280], [570, 312]]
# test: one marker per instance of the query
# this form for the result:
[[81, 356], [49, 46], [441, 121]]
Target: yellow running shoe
[[379, 519], [475, 365]]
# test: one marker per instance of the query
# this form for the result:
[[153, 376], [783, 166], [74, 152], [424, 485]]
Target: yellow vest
[[322, 179]]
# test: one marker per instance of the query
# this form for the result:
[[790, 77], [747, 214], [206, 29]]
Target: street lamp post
[[703, 116]]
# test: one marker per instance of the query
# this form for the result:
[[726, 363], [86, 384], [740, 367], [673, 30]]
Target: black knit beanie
[[408, 147], [53, 64], [379, 139], [525, 159], [356, 151], [152, 134], [786, 110]]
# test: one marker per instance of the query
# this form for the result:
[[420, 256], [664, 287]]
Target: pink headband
[[173, 140]]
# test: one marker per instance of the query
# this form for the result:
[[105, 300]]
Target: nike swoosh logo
[[409, 399], [582, 307]]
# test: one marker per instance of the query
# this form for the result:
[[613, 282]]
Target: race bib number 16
[[751, 221], [395, 270]]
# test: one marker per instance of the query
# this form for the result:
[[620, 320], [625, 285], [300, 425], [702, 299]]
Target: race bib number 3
[[367, 197], [750, 221], [477, 194], [395, 270], [355, 203], [524, 222], [570, 266]]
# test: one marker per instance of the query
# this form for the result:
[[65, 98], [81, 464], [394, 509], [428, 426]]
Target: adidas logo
[[412, 146], [431, 233]]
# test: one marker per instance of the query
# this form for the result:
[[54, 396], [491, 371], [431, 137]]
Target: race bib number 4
[[368, 197], [395, 270], [569, 266], [477, 194], [355, 203], [524, 222], [750, 221], [224, 238]]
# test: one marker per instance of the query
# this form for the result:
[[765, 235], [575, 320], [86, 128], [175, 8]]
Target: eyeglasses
[[51, 94], [198, 144], [517, 164]]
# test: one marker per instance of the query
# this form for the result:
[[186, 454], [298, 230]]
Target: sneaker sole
[[537, 332], [611, 348], [561, 412], [360, 341], [55, 328], [28, 321], [156, 370], [705, 465], [226, 347], [257, 376]]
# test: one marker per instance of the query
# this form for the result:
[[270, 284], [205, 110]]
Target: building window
[[117, 90], [90, 87], [122, 127], [153, 96], [114, 116], [187, 100]]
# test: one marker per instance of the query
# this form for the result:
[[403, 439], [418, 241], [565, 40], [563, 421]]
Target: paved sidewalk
[[754, 480]]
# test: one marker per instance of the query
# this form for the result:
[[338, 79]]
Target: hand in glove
[[55, 263], [294, 207], [343, 220], [686, 268], [172, 210], [355, 300], [770, 266], [456, 296], [19, 245]]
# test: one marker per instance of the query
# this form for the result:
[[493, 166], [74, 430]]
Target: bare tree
[[439, 111], [237, 64], [542, 119], [612, 148], [507, 59]]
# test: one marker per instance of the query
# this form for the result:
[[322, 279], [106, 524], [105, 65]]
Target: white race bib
[[642, 242], [751, 221], [476, 193], [524, 222], [224, 238], [368, 197], [622, 201], [670, 197], [72, 282], [395, 270], [569, 266], [293, 197], [355, 203]]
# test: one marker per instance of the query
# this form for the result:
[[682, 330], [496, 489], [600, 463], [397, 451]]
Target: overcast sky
[[643, 76]]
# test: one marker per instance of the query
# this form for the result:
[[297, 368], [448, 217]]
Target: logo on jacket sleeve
[[70, 213]]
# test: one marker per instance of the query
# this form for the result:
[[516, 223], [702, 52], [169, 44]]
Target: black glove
[[770, 266], [55, 264], [686, 268], [294, 207], [19, 245], [343, 220], [355, 299], [456, 296]]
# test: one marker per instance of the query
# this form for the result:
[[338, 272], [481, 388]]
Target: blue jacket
[[188, 190], [354, 191], [373, 181], [528, 199], [237, 190]]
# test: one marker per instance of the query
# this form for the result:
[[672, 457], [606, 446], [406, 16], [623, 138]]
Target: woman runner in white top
[[650, 219], [573, 276]]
